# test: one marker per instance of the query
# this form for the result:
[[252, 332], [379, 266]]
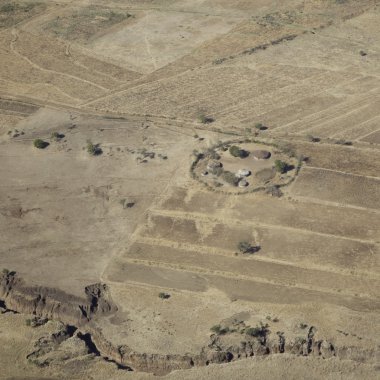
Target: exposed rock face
[[52, 303], [80, 315]]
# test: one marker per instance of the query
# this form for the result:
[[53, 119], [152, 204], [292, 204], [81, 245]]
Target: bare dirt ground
[[152, 85]]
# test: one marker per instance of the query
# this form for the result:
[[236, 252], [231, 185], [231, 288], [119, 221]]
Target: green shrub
[[92, 149], [281, 166], [40, 144], [237, 152], [246, 247]]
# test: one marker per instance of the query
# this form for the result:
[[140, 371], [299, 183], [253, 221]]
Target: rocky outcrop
[[79, 316], [52, 303]]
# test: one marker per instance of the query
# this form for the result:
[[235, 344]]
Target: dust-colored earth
[[122, 256]]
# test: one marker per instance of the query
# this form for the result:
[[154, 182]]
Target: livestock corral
[[189, 189]]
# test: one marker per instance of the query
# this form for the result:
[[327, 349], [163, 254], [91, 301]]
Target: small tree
[[40, 144], [93, 149], [57, 136], [246, 247], [259, 126], [204, 119], [237, 152], [281, 166]]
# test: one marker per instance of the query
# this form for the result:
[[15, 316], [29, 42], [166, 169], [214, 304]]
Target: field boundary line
[[335, 118], [367, 94], [201, 250], [342, 172], [232, 275], [199, 216], [366, 135], [355, 126]]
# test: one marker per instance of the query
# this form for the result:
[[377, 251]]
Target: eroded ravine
[[80, 315]]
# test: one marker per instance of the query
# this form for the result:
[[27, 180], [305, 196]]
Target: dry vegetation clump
[[230, 178], [56, 136], [85, 22], [12, 12], [204, 119], [313, 139], [219, 330], [343, 142]]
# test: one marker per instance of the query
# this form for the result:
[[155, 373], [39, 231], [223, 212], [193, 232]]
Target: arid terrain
[[190, 189]]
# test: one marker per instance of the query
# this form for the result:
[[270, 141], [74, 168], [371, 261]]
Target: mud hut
[[243, 173], [260, 154], [243, 183]]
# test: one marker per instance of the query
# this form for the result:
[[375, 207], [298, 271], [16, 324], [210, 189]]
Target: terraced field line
[[147, 44], [201, 250], [342, 172], [352, 110], [349, 102], [368, 134], [295, 84], [199, 271], [36, 66], [130, 239], [65, 94], [305, 199], [120, 91], [215, 219], [356, 126]]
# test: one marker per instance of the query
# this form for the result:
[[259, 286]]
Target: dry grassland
[[150, 85]]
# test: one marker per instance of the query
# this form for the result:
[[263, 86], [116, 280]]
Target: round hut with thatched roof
[[243, 183], [241, 173], [260, 154]]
